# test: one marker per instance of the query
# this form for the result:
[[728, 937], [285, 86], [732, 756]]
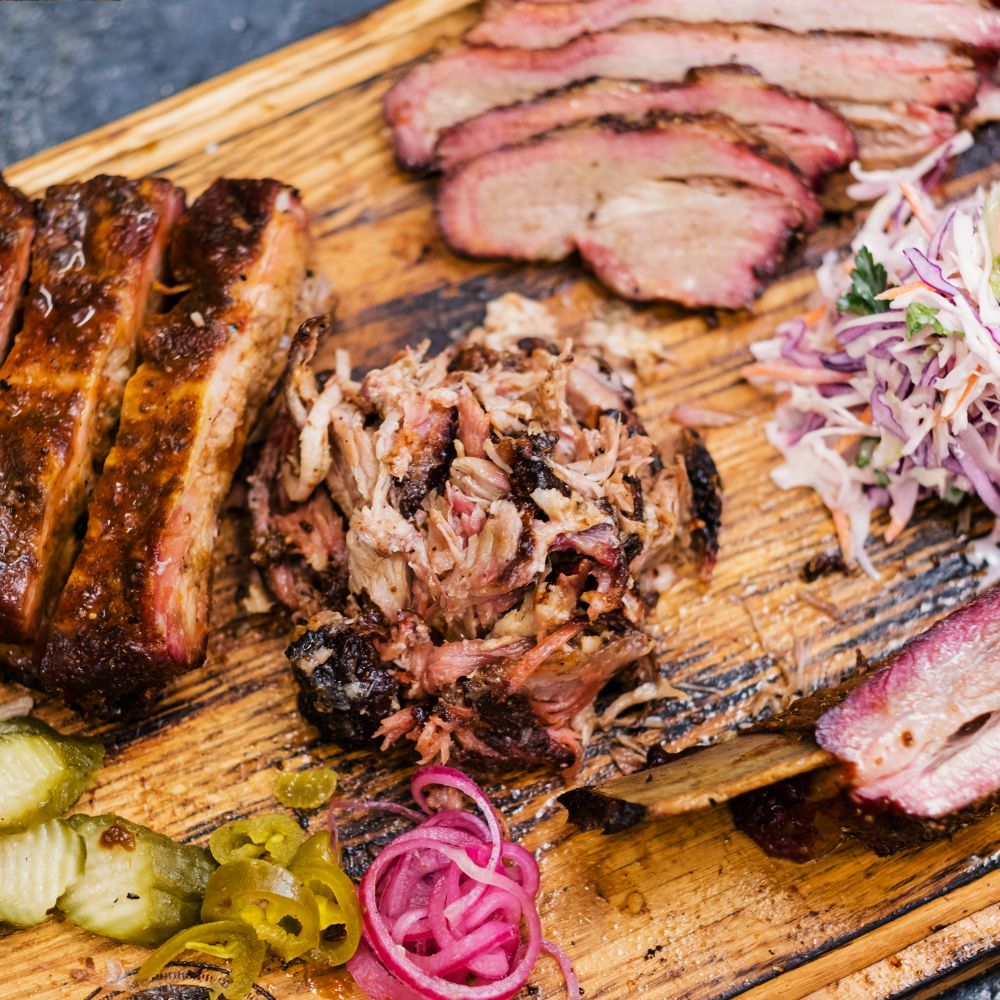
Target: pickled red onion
[[446, 901]]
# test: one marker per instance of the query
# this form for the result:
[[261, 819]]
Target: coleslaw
[[890, 387]]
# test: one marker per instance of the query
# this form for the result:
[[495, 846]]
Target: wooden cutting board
[[684, 908]]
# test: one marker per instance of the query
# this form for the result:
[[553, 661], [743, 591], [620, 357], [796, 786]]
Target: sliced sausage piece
[[465, 82], [96, 254], [17, 229], [681, 211], [135, 611]]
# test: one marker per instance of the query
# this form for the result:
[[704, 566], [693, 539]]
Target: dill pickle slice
[[42, 772], [35, 868], [138, 886]]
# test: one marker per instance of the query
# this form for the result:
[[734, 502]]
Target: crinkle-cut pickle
[[282, 911], [36, 866], [42, 772], [272, 836], [138, 886], [306, 789], [230, 939]]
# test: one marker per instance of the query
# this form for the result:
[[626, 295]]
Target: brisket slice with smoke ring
[[17, 229], [814, 138], [96, 253], [464, 82], [917, 738], [647, 208], [135, 611], [517, 24]]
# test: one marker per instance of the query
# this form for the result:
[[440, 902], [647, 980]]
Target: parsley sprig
[[868, 279]]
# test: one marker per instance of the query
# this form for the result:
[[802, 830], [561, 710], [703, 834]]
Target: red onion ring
[[447, 900]]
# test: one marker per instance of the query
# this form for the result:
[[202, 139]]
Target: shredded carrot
[[892, 532], [969, 386], [843, 533], [847, 440], [803, 376], [912, 195], [812, 317], [848, 265], [893, 293]]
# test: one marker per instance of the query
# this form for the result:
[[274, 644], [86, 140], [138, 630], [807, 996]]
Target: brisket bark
[[135, 611]]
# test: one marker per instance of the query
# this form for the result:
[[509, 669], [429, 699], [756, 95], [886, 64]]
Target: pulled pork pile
[[463, 535]]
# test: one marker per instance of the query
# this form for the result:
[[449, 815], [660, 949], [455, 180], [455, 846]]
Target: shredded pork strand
[[499, 502]]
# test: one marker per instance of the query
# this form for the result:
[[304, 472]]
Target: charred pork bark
[[523, 25], [813, 137], [135, 611], [96, 253], [643, 206], [17, 229], [344, 689], [706, 499], [465, 82]]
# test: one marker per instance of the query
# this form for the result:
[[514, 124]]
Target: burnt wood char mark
[[706, 499], [135, 611], [97, 250], [375, 334], [17, 229], [589, 810]]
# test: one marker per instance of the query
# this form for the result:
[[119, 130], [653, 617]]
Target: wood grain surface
[[686, 907]]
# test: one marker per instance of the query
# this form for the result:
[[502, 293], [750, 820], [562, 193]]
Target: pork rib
[[135, 611], [646, 208], [465, 82], [17, 229], [96, 253], [921, 732], [518, 24], [814, 138]]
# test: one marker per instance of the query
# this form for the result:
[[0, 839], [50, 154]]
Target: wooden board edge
[[247, 97], [882, 943], [945, 958]]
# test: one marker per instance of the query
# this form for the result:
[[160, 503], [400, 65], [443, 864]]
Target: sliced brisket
[[135, 611], [814, 138], [681, 210], [17, 229], [526, 25], [921, 732], [896, 135], [96, 253], [465, 82]]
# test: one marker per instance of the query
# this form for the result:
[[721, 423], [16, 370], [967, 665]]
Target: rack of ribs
[[17, 228], [97, 251], [135, 611]]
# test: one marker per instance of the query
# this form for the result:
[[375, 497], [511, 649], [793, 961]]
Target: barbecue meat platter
[[502, 498]]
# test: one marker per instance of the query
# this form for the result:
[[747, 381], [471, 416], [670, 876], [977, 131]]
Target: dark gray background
[[66, 68]]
